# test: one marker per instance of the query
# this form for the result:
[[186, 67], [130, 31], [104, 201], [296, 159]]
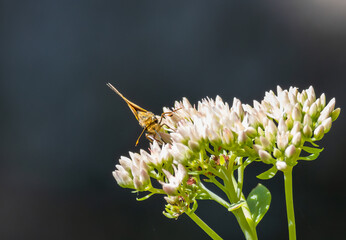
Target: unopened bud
[[265, 156], [327, 124], [227, 136], [282, 127], [335, 114], [319, 132], [297, 126], [265, 143], [307, 120], [281, 165], [296, 114], [290, 151], [250, 132], [282, 141], [194, 146], [323, 100], [313, 110], [297, 139], [242, 137], [277, 153], [307, 131]]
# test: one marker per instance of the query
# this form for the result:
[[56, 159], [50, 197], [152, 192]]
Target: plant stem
[[289, 204], [204, 226], [242, 214]]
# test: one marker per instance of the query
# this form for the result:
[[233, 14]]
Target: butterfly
[[150, 123]]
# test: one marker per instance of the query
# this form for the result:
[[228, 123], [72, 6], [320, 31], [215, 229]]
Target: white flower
[[174, 182]]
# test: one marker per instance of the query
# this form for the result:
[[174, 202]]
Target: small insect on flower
[[147, 120]]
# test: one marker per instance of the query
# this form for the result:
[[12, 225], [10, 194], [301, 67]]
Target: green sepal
[[268, 174], [194, 206], [236, 205], [168, 215], [145, 197], [259, 202]]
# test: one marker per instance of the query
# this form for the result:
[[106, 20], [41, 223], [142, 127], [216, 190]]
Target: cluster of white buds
[[273, 131], [292, 118]]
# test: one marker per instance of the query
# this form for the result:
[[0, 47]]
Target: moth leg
[[170, 114], [140, 136]]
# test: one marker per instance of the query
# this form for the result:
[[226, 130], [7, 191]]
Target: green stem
[[242, 214], [204, 226], [289, 204]]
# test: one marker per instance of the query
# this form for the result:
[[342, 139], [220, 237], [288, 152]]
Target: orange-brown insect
[[147, 120]]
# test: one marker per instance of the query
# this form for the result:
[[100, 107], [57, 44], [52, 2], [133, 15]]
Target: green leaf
[[310, 157], [268, 174], [259, 201], [312, 150]]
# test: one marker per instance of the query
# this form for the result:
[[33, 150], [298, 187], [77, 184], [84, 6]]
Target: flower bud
[[297, 126], [307, 131], [250, 132], [327, 124], [194, 146], [313, 110], [307, 120], [290, 151], [242, 137], [323, 100], [265, 156], [296, 114], [282, 127], [335, 114], [282, 141], [319, 132], [277, 153], [265, 143], [297, 139], [227, 136], [281, 165]]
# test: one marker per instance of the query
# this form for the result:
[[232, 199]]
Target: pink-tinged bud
[[123, 179], [307, 131], [265, 143], [290, 151], [242, 137], [307, 120], [277, 153], [297, 139], [282, 141], [265, 156], [281, 165], [297, 126], [313, 110], [271, 127], [282, 127], [227, 136], [311, 94], [194, 146], [257, 147], [296, 114], [327, 124], [250, 132], [335, 114], [323, 100], [319, 132]]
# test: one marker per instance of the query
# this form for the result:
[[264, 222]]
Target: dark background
[[63, 130]]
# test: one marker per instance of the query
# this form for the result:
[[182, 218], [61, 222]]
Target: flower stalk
[[289, 204]]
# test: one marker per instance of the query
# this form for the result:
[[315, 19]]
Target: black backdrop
[[62, 129]]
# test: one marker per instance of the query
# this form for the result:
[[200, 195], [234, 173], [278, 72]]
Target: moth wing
[[134, 107]]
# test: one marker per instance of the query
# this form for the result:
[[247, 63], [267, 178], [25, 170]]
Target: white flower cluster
[[273, 131]]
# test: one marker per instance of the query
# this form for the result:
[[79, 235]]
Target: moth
[[150, 123]]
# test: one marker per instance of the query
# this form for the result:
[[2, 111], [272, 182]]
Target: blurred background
[[63, 130]]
